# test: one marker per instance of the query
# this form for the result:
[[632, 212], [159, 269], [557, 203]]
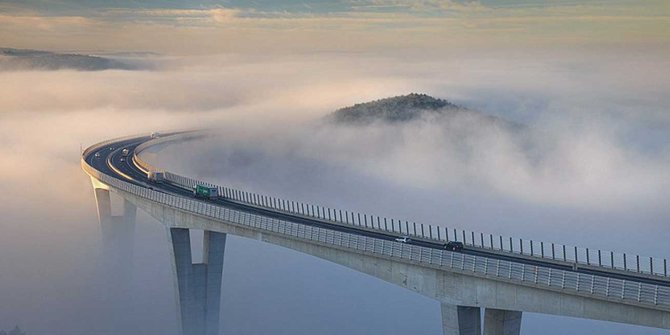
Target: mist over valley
[[568, 148]]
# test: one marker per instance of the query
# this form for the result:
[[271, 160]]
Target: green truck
[[205, 192]]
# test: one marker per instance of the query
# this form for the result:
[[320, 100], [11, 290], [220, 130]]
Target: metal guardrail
[[599, 287], [622, 262]]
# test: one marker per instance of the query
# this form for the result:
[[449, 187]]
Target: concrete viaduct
[[499, 276]]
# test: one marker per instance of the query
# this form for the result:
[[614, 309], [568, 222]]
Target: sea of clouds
[[589, 167]]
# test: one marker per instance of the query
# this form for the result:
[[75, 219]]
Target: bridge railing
[[617, 261], [496, 243], [601, 287]]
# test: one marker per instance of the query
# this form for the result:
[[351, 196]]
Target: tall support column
[[116, 255], [118, 236], [502, 322], [198, 285], [103, 203], [461, 320], [213, 251]]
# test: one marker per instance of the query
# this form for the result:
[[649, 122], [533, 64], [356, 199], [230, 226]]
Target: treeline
[[399, 108]]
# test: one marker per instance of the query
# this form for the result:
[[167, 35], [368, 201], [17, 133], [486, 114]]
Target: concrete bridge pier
[[502, 322], [464, 320], [118, 234], [198, 285], [461, 320]]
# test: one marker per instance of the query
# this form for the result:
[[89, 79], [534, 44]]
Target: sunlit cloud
[[46, 23], [368, 25]]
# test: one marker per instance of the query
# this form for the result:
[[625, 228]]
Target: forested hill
[[395, 109], [21, 59]]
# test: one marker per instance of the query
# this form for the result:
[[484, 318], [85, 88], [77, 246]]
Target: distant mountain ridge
[[395, 109], [23, 59]]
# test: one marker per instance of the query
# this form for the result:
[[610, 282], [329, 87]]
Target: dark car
[[454, 246]]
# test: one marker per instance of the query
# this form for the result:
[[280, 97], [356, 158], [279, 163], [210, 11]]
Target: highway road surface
[[110, 160]]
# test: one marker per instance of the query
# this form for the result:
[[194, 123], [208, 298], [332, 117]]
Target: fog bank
[[589, 170]]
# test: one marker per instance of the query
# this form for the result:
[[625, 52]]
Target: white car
[[402, 239]]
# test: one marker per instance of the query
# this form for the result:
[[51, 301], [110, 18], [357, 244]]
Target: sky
[[186, 27], [588, 78]]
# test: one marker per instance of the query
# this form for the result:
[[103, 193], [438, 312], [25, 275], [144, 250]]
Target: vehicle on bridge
[[453, 246], [156, 176], [205, 192], [403, 239], [125, 152], [584, 288]]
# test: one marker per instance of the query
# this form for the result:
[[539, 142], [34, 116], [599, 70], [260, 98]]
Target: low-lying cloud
[[593, 158], [573, 164]]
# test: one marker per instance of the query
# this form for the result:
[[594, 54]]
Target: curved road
[[109, 160]]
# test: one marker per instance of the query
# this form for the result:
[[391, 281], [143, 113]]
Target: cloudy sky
[[589, 78], [187, 27]]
